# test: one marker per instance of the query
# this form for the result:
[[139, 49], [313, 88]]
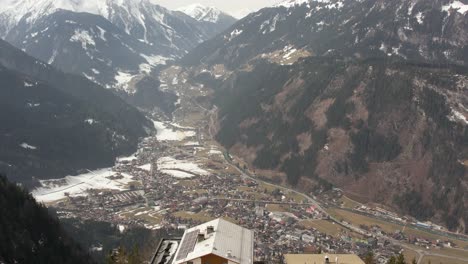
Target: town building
[[216, 242], [165, 251], [322, 259]]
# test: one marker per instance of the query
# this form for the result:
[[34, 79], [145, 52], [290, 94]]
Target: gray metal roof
[[228, 241]]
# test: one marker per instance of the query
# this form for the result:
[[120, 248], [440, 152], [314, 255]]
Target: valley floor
[[180, 177]]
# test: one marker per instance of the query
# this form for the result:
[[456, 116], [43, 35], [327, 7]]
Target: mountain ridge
[[111, 42], [30, 234], [57, 124], [367, 96]]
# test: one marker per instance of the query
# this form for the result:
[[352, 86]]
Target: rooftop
[[218, 237], [165, 251]]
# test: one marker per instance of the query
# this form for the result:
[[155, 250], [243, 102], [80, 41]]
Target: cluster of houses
[[222, 242]]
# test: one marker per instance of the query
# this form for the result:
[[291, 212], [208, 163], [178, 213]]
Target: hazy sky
[[233, 7]]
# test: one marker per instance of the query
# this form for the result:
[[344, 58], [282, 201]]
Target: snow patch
[[102, 33], [83, 37], [32, 105], [457, 116], [27, 146], [57, 189], [215, 152], [127, 159], [420, 18], [456, 5], [155, 60], [52, 58], [146, 167], [178, 174], [123, 79], [292, 3], [202, 13], [91, 121], [28, 84], [236, 32], [170, 164], [164, 133]]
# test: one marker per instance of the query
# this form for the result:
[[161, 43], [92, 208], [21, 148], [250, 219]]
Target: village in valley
[[181, 177]]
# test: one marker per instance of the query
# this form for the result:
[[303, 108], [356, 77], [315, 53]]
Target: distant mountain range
[[419, 30], [369, 96], [209, 15], [55, 124], [108, 41]]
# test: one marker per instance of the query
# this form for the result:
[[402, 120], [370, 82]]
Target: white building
[[216, 242]]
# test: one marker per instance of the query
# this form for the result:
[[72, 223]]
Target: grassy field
[[245, 189], [453, 252], [442, 260], [150, 218], [277, 208], [197, 217], [186, 183], [259, 195], [322, 226], [410, 255], [289, 194], [357, 219], [348, 203], [144, 213]]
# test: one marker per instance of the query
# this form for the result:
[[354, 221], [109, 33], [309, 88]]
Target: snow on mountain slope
[[210, 19], [14, 11], [103, 40], [292, 3], [148, 22], [201, 12], [417, 30]]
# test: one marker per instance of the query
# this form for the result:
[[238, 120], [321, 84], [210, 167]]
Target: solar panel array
[[188, 244]]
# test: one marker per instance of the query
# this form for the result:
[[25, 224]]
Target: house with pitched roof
[[216, 242]]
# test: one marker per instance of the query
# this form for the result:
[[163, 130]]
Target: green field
[[323, 226], [357, 219], [442, 260]]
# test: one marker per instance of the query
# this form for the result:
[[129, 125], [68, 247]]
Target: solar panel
[[188, 244]]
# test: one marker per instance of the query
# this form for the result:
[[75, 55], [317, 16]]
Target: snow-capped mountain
[[142, 19], [420, 30], [212, 17], [107, 41], [88, 45], [293, 3], [202, 13]]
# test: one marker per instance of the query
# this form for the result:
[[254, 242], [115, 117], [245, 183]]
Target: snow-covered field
[[127, 159], [176, 167], [146, 167], [54, 190], [166, 133], [178, 174]]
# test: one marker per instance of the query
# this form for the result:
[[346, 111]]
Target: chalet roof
[[227, 240]]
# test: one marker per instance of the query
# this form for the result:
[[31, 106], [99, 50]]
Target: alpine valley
[[334, 126], [368, 96]]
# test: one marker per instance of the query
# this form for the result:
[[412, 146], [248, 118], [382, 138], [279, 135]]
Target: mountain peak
[[17, 9], [292, 3], [201, 12]]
